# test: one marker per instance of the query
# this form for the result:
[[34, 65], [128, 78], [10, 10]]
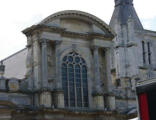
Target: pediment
[[77, 21], [73, 23]]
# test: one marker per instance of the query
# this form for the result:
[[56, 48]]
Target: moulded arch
[[80, 16]]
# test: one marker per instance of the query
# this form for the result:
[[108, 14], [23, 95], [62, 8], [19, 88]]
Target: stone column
[[110, 97], [44, 65], [29, 64], [58, 66], [45, 96], [59, 94], [36, 62], [108, 68], [97, 71], [97, 94]]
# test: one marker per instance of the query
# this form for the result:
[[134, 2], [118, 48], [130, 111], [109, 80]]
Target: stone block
[[19, 99], [2, 84], [59, 99], [111, 102], [45, 99], [98, 102], [13, 85]]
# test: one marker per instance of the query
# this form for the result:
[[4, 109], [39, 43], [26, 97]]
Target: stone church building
[[76, 67]]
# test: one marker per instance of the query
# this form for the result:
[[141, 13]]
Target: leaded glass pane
[[86, 104], [84, 69], [65, 58], [84, 75], [77, 59], [70, 59], [64, 65], [78, 76]]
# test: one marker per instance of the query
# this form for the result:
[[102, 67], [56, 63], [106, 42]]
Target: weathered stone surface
[[45, 99], [20, 99], [74, 31], [98, 102], [111, 102], [13, 85], [59, 99]]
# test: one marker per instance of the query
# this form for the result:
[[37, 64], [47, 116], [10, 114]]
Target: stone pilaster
[[45, 96], [59, 94], [96, 71], [44, 64], [29, 64], [108, 68], [97, 94], [36, 63], [58, 66]]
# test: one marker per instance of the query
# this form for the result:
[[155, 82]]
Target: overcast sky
[[17, 15]]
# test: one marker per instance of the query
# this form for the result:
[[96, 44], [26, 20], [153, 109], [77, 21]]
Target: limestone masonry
[[76, 67]]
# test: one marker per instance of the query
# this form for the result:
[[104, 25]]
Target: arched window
[[74, 80]]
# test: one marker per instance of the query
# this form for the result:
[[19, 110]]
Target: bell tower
[[125, 22], [124, 9]]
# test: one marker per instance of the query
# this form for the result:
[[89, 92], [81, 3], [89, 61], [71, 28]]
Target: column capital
[[95, 47], [43, 41], [57, 42]]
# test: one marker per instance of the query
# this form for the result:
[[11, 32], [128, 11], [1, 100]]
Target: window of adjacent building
[[143, 52], [74, 80], [118, 82], [146, 57], [149, 52]]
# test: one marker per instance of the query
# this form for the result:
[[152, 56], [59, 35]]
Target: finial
[[123, 2], [2, 68]]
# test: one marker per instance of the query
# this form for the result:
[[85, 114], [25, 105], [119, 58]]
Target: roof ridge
[[14, 54]]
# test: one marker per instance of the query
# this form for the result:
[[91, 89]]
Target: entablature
[[63, 32]]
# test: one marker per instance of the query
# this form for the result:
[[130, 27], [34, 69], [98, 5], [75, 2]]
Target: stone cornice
[[86, 113], [90, 35], [41, 27]]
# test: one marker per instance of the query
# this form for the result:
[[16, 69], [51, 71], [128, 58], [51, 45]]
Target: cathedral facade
[[75, 66]]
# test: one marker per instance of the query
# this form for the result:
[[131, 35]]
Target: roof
[[124, 10]]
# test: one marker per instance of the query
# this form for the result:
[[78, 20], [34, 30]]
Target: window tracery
[[74, 80]]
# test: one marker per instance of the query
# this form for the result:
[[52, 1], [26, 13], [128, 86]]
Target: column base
[[45, 99], [111, 102], [59, 98], [98, 101]]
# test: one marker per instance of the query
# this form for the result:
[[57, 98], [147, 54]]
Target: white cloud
[[16, 15]]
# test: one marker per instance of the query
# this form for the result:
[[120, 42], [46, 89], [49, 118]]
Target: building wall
[[15, 65]]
